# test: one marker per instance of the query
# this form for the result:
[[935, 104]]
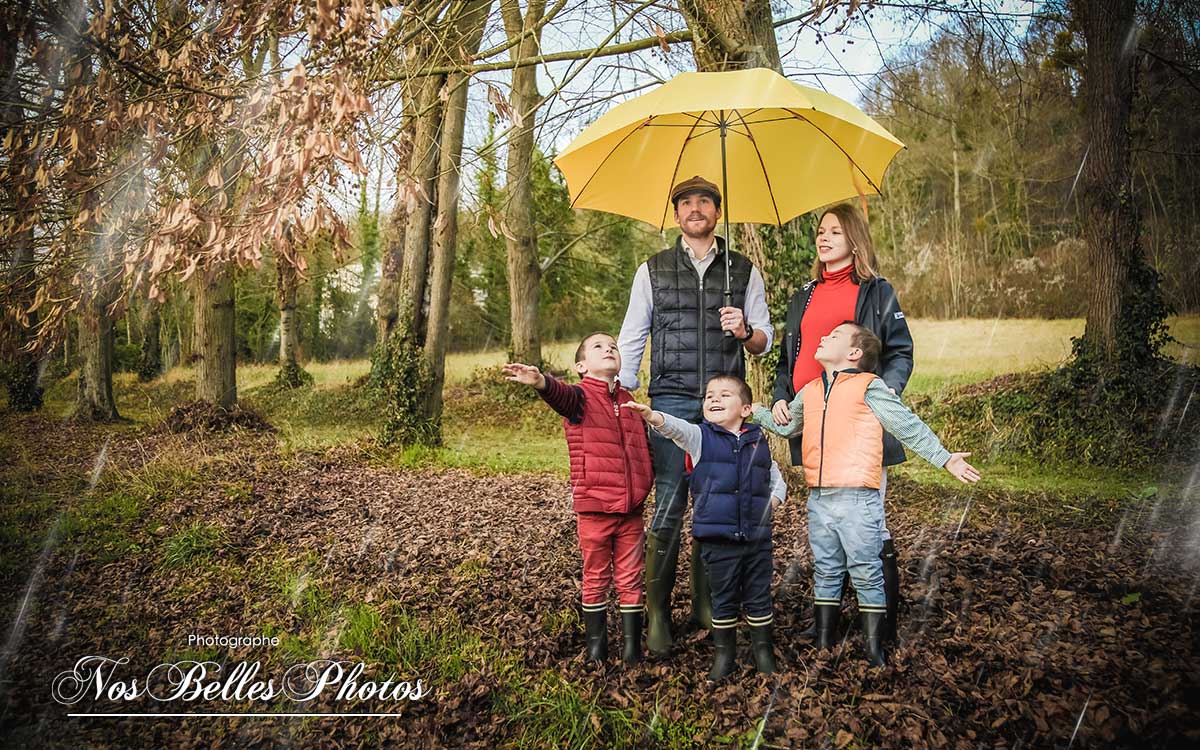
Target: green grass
[[497, 450], [553, 712], [195, 542], [107, 526], [1020, 475]]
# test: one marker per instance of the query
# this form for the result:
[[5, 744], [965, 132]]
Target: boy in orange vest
[[847, 409], [611, 475]]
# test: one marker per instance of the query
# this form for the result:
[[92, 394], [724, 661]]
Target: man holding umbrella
[[699, 321]]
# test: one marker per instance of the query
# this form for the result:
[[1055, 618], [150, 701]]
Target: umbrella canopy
[[789, 148]]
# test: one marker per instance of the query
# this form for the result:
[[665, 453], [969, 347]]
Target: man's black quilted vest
[[687, 346]]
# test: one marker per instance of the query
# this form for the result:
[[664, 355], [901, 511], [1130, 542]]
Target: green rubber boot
[[701, 591], [724, 653], [661, 559]]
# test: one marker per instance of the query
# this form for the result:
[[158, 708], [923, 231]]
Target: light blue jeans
[[845, 532], [670, 485]]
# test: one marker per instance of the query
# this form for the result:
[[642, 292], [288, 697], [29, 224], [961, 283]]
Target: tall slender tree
[[468, 35], [524, 266], [1111, 225]]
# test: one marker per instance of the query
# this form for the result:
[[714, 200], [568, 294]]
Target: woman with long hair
[[846, 285]]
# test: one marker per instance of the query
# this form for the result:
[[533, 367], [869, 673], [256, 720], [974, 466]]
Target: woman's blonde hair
[[858, 235]]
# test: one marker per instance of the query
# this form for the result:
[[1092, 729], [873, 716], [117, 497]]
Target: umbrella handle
[[725, 195], [728, 303]]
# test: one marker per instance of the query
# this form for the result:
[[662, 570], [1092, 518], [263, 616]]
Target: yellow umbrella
[[780, 148], [790, 148]]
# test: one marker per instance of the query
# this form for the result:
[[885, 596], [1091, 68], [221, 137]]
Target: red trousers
[[613, 550]]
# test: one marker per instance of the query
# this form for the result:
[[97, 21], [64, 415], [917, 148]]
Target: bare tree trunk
[[150, 364], [386, 311], [445, 229], [291, 375], [731, 35], [414, 272], [214, 340], [94, 397], [288, 330], [524, 269], [1110, 223], [215, 337]]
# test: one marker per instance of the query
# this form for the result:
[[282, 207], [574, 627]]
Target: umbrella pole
[[725, 216]]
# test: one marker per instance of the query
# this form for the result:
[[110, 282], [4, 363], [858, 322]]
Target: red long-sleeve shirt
[[832, 303]]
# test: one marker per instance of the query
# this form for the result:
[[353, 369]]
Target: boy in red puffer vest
[[611, 475]]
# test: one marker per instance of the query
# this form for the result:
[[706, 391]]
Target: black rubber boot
[[763, 648], [661, 558], [631, 633], [810, 633], [872, 631], [701, 591], [724, 653], [891, 590], [826, 617], [595, 625]]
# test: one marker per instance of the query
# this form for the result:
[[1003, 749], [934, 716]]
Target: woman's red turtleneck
[[833, 302]]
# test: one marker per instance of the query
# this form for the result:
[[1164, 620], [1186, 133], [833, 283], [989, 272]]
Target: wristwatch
[[749, 332]]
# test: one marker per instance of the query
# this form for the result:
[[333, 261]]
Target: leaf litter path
[[1013, 636]]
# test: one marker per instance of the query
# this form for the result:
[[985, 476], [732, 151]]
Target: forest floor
[[1052, 612]]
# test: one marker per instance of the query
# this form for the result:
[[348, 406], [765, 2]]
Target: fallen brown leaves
[[204, 416], [1013, 636]]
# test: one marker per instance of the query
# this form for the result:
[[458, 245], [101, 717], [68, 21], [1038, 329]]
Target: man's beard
[[688, 231]]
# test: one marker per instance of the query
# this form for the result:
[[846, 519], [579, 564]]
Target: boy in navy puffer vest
[[611, 475], [735, 489]]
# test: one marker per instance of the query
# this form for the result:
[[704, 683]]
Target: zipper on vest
[[702, 325], [737, 463], [824, 409], [624, 454]]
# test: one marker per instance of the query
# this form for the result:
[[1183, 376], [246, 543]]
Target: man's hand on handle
[[733, 319], [525, 375]]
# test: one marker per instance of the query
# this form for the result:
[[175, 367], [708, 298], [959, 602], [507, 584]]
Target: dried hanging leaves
[[158, 152]]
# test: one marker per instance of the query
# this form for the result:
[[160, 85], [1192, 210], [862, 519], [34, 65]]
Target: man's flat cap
[[695, 184]]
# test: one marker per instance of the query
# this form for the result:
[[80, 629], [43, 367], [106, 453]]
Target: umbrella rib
[[696, 119], [816, 127], [675, 172], [771, 119], [766, 177], [599, 166]]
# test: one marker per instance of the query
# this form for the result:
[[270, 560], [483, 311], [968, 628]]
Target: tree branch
[[579, 54]]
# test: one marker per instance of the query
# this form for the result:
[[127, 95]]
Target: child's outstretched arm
[[908, 428], [565, 399], [679, 431], [525, 375], [765, 418]]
